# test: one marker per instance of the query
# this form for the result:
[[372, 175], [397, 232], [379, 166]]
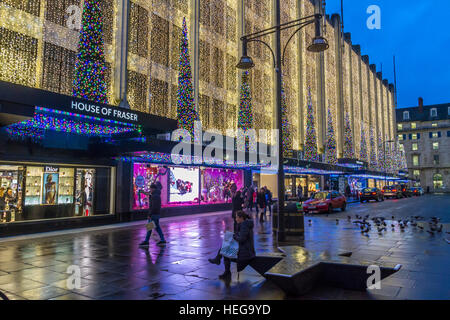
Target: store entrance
[[10, 192]]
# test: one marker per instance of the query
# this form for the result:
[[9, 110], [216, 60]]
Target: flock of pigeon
[[433, 227]]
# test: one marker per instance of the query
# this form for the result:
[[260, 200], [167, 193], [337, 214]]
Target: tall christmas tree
[[330, 150], [286, 128], [363, 151], [381, 160], [186, 112], [388, 151], [373, 154], [245, 117], [348, 138], [310, 150], [90, 66]]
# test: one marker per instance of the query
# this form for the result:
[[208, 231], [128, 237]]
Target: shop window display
[[143, 176], [218, 184], [183, 186], [84, 194], [10, 192]]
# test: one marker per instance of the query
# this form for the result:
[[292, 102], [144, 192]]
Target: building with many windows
[[59, 152], [424, 132]]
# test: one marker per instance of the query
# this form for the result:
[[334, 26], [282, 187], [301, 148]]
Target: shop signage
[[51, 169], [97, 110]]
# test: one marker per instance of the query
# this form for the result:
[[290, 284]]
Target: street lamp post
[[318, 44]]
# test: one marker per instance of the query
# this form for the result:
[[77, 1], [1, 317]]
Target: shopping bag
[[230, 246], [150, 226]]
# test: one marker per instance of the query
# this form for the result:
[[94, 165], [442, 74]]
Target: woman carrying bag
[[246, 252]]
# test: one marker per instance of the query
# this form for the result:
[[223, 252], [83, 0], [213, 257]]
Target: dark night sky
[[416, 32]]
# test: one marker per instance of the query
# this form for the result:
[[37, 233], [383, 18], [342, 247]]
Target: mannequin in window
[[50, 190], [87, 194]]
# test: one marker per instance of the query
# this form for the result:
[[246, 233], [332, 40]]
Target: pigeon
[[337, 221], [393, 217], [420, 227], [440, 228], [310, 222], [447, 240], [393, 225], [430, 232], [349, 218]]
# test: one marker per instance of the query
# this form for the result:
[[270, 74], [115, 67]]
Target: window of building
[[414, 136], [436, 159], [448, 111], [159, 46], [433, 112], [399, 126], [138, 30], [416, 173], [437, 181], [414, 147], [400, 137], [448, 134], [413, 125], [434, 125], [435, 145], [415, 159], [59, 64], [405, 115], [434, 135]]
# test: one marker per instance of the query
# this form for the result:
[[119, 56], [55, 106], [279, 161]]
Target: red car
[[325, 201]]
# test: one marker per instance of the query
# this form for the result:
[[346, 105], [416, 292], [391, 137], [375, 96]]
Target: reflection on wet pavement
[[113, 267]]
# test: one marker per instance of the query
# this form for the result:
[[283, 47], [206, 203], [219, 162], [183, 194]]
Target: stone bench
[[301, 270]]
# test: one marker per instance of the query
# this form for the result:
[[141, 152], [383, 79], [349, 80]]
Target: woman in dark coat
[[237, 203], [261, 203], [246, 252]]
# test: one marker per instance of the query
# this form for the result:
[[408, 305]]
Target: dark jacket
[[244, 236], [155, 203], [237, 203], [261, 199]]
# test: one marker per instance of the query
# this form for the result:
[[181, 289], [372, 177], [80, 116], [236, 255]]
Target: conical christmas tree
[[286, 128], [310, 151], [186, 112], [381, 160], [373, 154], [363, 151], [245, 117], [330, 150], [348, 138], [90, 67]]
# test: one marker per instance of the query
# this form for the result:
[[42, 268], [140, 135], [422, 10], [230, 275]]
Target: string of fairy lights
[[330, 150]]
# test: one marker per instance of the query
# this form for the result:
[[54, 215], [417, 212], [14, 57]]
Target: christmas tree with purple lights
[[310, 150], [90, 66], [363, 151], [185, 103], [245, 116], [373, 154]]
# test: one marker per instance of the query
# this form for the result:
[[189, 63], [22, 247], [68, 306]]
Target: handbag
[[150, 226], [230, 247]]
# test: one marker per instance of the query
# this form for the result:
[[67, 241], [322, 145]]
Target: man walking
[[154, 215]]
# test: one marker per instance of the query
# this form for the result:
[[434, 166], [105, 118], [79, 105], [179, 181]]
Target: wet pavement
[[113, 267]]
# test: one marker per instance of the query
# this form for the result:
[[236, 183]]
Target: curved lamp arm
[[292, 36], [264, 43]]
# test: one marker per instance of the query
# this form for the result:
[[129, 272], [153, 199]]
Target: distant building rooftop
[[424, 113]]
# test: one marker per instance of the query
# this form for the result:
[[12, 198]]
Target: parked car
[[392, 192], [406, 191], [325, 201], [417, 191], [368, 194]]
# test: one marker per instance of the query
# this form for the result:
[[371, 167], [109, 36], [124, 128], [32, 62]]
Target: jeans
[[155, 219]]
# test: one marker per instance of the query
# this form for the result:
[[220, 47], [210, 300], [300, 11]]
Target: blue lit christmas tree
[[330, 149], [90, 66], [185, 103], [310, 150]]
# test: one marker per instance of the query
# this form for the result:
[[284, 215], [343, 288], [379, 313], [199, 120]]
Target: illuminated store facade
[[39, 47]]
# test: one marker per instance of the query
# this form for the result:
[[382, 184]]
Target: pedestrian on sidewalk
[[246, 252], [154, 215], [237, 204], [268, 200], [261, 203]]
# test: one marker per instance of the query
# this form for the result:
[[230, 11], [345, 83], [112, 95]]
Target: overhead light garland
[[90, 68]]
